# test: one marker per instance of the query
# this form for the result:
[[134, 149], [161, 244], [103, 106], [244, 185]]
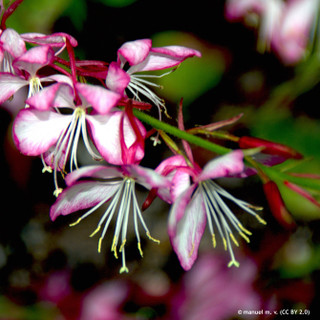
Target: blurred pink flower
[[284, 26], [293, 37], [104, 301], [213, 291], [56, 287]]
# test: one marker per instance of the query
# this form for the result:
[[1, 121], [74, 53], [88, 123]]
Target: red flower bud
[[277, 206], [150, 198], [269, 147]]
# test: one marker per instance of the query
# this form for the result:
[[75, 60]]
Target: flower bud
[[269, 147], [277, 206]]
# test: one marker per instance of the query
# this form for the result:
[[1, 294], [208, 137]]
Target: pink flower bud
[[269, 147], [277, 206]]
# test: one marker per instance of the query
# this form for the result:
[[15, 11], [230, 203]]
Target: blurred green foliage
[[37, 16]]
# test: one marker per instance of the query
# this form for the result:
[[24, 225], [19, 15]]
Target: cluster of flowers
[[284, 26], [61, 109]]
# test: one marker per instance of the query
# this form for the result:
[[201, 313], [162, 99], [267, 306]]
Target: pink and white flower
[[54, 40], [292, 39], [141, 57], [200, 202], [41, 130], [26, 72], [92, 186], [12, 46], [284, 26]]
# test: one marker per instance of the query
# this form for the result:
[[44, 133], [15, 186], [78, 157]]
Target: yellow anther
[[257, 208], [57, 192], [153, 239], [244, 237], [122, 245], [192, 249], [114, 248], [124, 269], [224, 243], [140, 250], [260, 219], [234, 239], [95, 231], [99, 244], [214, 242], [75, 223], [233, 263], [244, 229]]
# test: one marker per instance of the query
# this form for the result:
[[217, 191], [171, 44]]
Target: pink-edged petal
[[94, 171], [54, 162], [34, 59], [165, 57], [56, 95], [147, 177], [224, 166], [80, 196], [106, 136], [187, 221], [36, 131], [101, 99], [12, 42], [9, 85], [55, 40], [117, 79], [134, 52], [180, 179]]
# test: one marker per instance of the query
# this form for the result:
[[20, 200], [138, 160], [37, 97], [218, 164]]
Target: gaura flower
[[298, 23], [116, 185], [265, 15], [200, 202], [41, 130], [26, 68], [141, 56]]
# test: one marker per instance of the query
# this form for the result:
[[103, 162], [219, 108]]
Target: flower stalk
[[157, 124]]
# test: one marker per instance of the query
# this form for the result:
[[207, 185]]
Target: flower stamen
[[218, 211]]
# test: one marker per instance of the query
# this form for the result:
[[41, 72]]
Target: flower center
[[67, 145], [34, 86]]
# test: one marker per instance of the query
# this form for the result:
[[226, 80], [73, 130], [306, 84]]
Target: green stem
[[157, 124]]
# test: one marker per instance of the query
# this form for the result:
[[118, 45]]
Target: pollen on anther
[[153, 239], [234, 239], [95, 231], [114, 248], [214, 242], [99, 244], [75, 223], [140, 250], [122, 245]]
